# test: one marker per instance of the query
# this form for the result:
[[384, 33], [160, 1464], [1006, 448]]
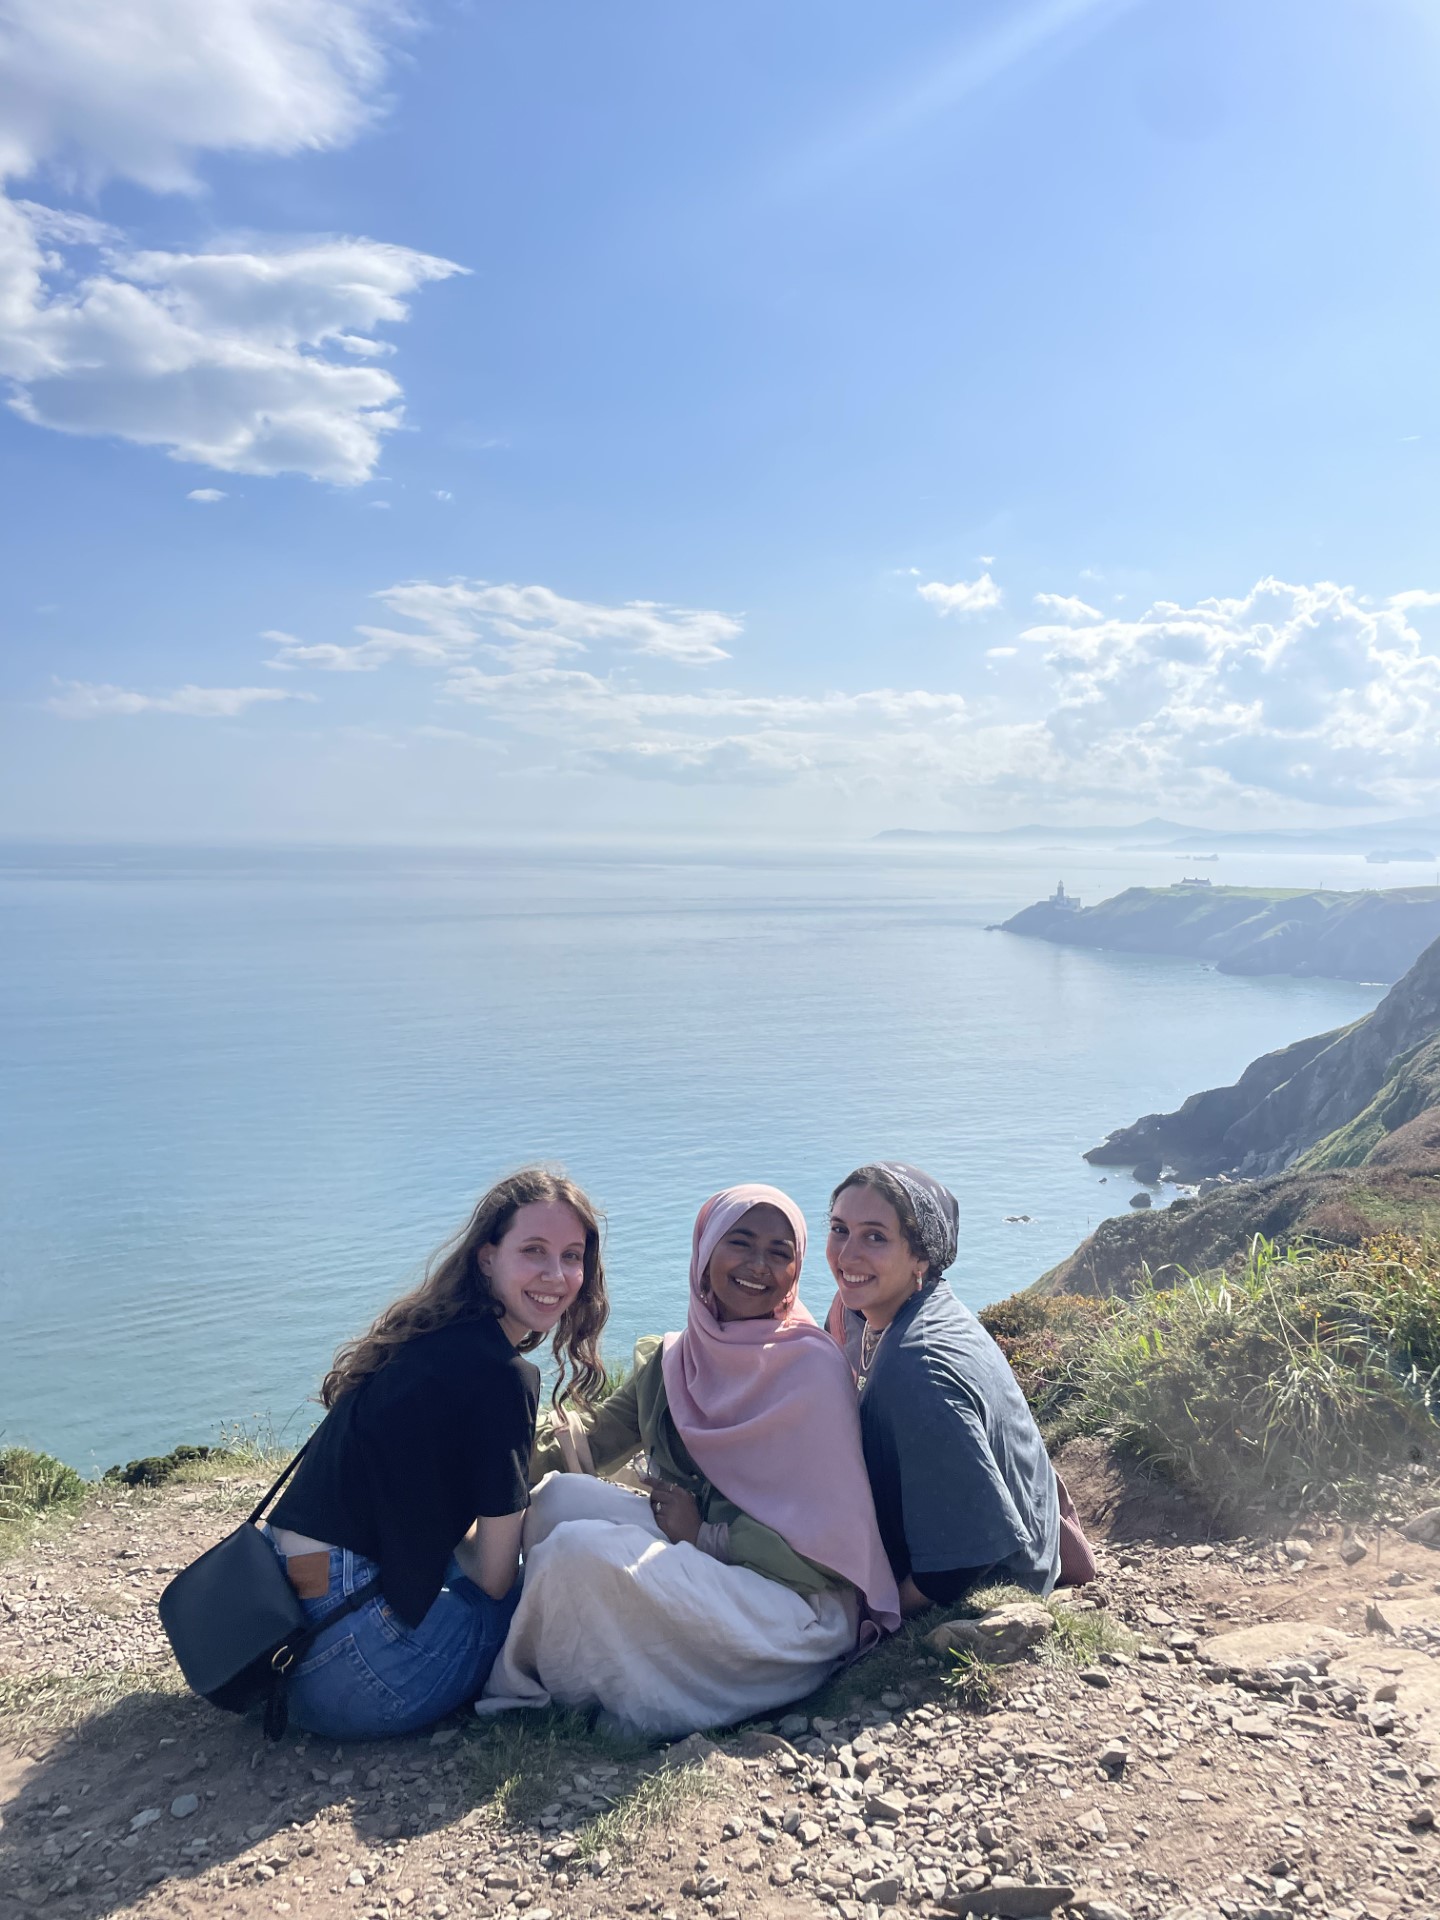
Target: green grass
[[1080, 1639], [1285, 1384], [896, 1663], [33, 1483], [34, 1704], [1045, 1337], [653, 1802], [251, 1449], [519, 1760], [33, 1486], [973, 1683], [1413, 1085]]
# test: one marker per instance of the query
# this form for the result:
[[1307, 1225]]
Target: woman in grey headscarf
[[964, 1490]]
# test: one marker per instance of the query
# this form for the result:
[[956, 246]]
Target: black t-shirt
[[403, 1463]]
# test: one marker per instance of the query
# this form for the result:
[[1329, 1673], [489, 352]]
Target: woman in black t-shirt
[[417, 1477]]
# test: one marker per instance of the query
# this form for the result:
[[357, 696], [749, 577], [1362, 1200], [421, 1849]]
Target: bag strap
[[296, 1645], [277, 1486]]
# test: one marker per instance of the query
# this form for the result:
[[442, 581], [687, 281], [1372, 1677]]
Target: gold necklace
[[869, 1347]]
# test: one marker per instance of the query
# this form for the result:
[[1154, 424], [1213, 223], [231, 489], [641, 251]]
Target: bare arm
[[489, 1554]]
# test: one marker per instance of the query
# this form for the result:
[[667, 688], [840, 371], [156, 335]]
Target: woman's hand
[[677, 1513]]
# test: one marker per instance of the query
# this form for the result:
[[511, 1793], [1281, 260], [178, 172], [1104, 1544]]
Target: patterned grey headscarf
[[937, 1213]]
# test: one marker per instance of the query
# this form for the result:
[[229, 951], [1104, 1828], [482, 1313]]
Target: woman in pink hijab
[[749, 1562]]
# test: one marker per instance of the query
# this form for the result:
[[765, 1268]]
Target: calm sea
[[243, 1094]]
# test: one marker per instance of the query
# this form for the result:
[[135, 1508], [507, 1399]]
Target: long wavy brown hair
[[454, 1288]]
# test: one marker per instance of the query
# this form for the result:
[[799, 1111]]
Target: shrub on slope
[[32, 1484], [1290, 1382]]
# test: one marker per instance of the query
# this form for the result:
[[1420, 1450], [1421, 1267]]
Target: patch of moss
[[156, 1468]]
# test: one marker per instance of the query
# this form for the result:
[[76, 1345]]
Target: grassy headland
[[1370, 935]]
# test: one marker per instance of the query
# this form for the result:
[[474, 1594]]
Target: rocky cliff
[[1372, 935], [1341, 1206], [1286, 1103], [1401, 1119], [1335, 1138]]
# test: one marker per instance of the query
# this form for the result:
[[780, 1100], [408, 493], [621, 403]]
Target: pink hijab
[[767, 1409]]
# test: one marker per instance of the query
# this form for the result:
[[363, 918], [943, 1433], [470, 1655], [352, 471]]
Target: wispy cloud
[[1062, 606], [1299, 694], [1304, 694], [92, 700], [525, 626], [207, 496], [963, 596]]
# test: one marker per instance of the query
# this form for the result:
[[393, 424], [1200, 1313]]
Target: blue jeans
[[368, 1674]]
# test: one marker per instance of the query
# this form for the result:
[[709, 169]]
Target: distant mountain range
[[1397, 837]]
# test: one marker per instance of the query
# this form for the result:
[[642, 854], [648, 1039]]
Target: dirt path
[[1239, 1756]]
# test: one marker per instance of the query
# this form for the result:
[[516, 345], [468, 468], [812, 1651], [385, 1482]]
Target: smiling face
[[752, 1271], [536, 1267], [874, 1265]]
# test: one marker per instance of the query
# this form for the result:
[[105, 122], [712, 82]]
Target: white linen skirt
[[664, 1638]]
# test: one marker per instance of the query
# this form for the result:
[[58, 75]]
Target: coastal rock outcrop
[[1371, 935], [1380, 1071], [1342, 1205]]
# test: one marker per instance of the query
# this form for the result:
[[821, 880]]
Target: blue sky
[[803, 420]]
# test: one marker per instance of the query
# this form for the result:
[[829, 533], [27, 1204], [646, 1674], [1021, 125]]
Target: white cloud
[[378, 649], [963, 597], [207, 496], [138, 88], [1291, 693], [1300, 691], [225, 358], [1067, 607], [91, 700], [718, 735], [1415, 599], [255, 357], [526, 627]]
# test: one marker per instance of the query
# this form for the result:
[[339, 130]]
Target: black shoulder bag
[[236, 1624]]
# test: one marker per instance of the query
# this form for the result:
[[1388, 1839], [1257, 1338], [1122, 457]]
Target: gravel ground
[[1174, 1765]]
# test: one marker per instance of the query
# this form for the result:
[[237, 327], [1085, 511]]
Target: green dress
[[636, 1419]]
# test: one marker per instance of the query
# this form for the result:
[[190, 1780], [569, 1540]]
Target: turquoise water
[[242, 1095]]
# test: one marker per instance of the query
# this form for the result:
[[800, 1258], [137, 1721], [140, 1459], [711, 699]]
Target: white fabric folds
[[663, 1638]]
